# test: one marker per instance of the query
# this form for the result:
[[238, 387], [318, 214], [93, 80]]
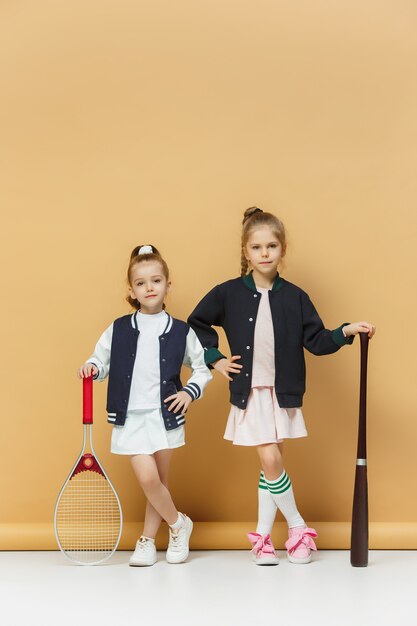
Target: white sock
[[283, 495], [266, 508], [179, 523]]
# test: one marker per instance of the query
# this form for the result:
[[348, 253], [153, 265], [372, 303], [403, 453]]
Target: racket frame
[[87, 437]]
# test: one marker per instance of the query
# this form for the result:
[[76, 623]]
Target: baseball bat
[[360, 527]]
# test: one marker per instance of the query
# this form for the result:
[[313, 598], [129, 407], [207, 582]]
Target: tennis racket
[[360, 532], [88, 515]]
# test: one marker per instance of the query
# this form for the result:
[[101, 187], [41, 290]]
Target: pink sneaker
[[300, 544], [263, 552]]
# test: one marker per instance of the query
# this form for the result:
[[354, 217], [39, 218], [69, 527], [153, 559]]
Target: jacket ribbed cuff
[[211, 355], [339, 338], [193, 390]]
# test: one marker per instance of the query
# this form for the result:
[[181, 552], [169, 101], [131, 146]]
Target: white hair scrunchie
[[145, 250]]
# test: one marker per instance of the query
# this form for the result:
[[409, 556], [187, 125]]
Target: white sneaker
[[178, 542], [144, 554]]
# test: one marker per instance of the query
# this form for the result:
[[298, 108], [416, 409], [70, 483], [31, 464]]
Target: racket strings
[[88, 517]]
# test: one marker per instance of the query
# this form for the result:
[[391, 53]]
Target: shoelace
[[305, 537], [142, 544], [175, 539], [261, 543]]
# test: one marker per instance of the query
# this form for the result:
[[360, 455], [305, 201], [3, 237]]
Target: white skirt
[[144, 432]]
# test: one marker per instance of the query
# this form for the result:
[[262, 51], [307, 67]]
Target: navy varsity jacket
[[233, 305], [115, 355]]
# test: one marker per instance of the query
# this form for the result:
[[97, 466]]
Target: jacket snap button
[[243, 402], [128, 375], [247, 347], [255, 295], [251, 319], [246, 374], [124, 401], [133, 354], [163, 360], [164, 382]]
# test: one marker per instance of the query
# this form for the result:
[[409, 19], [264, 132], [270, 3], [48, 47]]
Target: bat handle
[[88, 400], [364, 337], [361, 452]]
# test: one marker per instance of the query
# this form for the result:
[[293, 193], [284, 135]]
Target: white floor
[[214, 588]]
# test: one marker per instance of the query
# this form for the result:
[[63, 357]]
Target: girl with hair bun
[[268, 322], [142, 353]]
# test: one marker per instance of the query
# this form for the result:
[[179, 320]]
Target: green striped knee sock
[[266, 508], [283, 495]]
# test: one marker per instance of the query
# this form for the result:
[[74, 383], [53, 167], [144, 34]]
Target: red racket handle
[[88, 400]]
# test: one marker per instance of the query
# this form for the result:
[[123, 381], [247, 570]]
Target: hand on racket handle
[[86, 370]]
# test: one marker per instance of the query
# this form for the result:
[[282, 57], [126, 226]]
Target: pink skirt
[[263, 420]]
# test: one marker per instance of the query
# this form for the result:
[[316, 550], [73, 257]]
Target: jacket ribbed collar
[[166, 329], [250, 283]]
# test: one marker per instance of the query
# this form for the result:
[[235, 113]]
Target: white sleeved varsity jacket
[[178, 345]]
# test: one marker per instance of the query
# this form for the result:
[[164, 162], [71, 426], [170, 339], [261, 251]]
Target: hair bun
[[251, 211]]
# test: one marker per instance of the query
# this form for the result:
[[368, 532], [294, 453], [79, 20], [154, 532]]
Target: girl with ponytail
[[142, 353], [268, 322]]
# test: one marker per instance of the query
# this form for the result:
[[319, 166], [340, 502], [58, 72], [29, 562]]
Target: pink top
[[263, 370]]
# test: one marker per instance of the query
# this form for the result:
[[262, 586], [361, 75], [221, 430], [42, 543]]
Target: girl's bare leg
[[270, 455], [146, 470], [152, 517]]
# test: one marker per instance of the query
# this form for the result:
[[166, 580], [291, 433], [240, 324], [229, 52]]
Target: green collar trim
[[250, 283]]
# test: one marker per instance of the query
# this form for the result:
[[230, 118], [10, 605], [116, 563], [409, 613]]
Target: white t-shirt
[[145, 392]]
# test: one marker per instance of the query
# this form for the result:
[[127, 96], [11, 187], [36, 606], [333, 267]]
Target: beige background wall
[[134, 122]]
